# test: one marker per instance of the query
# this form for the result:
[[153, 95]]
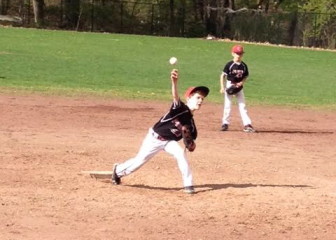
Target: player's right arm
[[174, 79], [222, 82]]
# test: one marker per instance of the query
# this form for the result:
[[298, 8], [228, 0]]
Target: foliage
[[322, 6], [290, 5], [191, 18], [324, 14]]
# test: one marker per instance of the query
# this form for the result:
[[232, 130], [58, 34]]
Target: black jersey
[[236, 72], [169, 126]]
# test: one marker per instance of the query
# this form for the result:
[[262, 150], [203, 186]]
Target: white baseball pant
[[241, 105], [151, 145]]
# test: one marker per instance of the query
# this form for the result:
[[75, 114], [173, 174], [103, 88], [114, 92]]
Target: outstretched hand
[[174, 75]]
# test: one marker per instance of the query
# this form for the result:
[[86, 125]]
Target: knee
[[242, 106], [179, 153]]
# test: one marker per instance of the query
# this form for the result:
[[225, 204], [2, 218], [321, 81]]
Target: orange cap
[[191, 90], [238, 49]]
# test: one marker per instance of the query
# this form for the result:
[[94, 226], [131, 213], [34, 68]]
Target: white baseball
[[173, 60]]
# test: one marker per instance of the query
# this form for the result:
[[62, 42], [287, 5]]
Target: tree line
[[309, 23]]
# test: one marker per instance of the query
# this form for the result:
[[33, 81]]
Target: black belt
[[157, 136]]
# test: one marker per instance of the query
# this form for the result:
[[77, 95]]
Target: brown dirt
[[279, 183]]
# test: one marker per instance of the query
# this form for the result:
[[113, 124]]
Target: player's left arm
[[241, 83], [245, 76]]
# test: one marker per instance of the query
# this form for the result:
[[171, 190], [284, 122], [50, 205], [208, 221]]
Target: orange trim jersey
[[236, 72], [170, 125]]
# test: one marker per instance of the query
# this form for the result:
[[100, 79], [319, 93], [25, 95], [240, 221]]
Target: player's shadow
[[152, 187], [213, 187], [219, 186], [294, 131]]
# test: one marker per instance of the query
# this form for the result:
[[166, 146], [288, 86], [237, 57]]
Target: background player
[[235, 72], [165, 134]]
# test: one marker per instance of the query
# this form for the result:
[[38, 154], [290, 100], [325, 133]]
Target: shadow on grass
[[214, 187]]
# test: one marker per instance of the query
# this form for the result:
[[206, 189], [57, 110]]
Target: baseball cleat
[[115, 179], [225, 127], [248, 128], [189, 190]]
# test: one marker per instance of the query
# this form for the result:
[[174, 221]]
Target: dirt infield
[[279, 183]]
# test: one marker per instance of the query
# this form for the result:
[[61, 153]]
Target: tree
[[172, 17], [323, 30], [38, 7], [72, 12]]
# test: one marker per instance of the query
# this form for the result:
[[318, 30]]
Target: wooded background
[[309, 23]]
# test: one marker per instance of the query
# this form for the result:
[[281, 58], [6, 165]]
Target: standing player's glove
[[233, 89], [188, 139]]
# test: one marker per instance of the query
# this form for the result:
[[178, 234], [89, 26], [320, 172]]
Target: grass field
[[131, 66], [277, 183]]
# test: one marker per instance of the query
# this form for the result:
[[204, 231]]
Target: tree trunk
[[72, 11], [230, 4], [292, 29], [4, 7], [38, 7], [172, 17]]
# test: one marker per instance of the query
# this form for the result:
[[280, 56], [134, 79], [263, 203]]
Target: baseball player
[[166, 133], [235, 72]]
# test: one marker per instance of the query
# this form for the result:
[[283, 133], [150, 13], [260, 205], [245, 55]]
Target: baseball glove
[[233, 89], [188, 139]]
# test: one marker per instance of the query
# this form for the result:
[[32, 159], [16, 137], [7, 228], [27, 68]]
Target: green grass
[[131, 66]]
